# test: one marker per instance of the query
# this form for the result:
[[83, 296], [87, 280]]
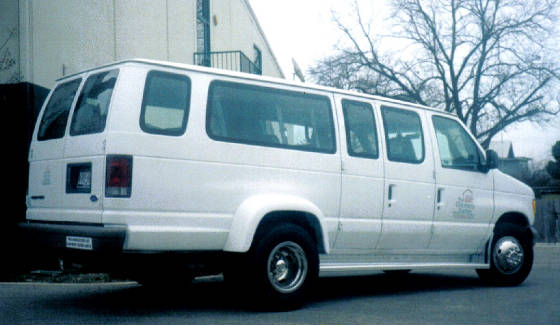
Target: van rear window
[[270, 117], [91, 110], [53, 122]]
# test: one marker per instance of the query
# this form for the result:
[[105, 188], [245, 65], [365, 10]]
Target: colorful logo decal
[[465, 206]]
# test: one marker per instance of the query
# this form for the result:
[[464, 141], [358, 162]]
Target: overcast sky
[[303, 30]]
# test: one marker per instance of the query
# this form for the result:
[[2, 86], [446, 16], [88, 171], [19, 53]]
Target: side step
[[344, 269]]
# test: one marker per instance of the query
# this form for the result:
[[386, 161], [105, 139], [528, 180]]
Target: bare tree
[[491, 62]]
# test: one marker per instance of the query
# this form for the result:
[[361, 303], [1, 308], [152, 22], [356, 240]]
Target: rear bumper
[[104, 238], [108, 251]]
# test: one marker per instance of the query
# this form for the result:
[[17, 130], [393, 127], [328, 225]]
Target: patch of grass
[[62, 277]]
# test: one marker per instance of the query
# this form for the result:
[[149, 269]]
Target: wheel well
[[307, 221], [514, 218], [510, 218]]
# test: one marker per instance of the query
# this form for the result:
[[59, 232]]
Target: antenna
[[297, 71]]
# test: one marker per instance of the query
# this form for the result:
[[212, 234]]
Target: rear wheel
[[283, 264], [511, 257]]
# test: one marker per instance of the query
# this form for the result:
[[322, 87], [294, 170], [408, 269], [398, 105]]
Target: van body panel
[[252, 210], [512, 196], [199, 176]]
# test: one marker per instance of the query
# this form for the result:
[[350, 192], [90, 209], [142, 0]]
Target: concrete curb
[[547, 245]]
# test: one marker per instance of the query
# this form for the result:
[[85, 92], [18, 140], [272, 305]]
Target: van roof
[[247, 76]]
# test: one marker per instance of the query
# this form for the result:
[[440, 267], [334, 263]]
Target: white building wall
[[234, 26], [65, 36], [182, 30]]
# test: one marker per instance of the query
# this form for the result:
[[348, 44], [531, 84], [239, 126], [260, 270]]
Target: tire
[[283, 266], [511, 257]]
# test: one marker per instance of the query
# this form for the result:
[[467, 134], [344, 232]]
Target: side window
[[165, 105], [403, 135], [53, 123], [270, 117], [91, 110], [361, 133], [456, 147]]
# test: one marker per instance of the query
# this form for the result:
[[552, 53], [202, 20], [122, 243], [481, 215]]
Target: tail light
[[118, 176]]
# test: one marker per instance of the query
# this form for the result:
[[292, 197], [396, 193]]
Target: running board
[[333, 269]]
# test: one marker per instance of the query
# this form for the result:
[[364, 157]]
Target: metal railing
[[227, 60]]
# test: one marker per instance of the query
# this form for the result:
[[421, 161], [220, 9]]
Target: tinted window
[[456, 147], [165, 106], [91, 110], [270, 117], [361, 133], [53, 123], [403, 135]]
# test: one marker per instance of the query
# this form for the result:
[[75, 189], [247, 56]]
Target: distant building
[[508, 163]]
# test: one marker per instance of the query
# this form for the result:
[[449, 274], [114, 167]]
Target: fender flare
[[250, 213]]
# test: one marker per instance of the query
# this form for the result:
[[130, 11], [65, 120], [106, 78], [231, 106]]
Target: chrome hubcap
[[287, 267], [508, 255]]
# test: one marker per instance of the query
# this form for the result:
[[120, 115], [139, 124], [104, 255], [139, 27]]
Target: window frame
[[481, 159], [143, 126], [258, 58], [347, 130], [384, 108], [271, 90]]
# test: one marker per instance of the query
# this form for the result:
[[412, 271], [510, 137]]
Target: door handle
[[439, 196], [390, 193]]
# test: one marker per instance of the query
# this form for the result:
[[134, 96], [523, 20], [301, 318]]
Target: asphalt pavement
[[422, 297]]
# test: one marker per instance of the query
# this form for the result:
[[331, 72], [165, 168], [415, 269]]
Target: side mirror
[[491, 159]]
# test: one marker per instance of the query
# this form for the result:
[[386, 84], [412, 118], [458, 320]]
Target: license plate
[[79, 242], [84, 180], [78, 178]]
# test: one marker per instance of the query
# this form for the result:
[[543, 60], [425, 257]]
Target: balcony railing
[[227, 60]]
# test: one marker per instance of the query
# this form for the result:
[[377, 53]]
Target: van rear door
[[84, 149], [67, 157], [46, 167]]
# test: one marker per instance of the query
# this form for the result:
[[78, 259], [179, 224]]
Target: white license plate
[[79, 242], [84, 180]]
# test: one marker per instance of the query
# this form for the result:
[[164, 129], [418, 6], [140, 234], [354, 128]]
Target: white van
[[152, 166]]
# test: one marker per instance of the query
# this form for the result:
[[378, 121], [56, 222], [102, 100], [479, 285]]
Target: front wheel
[[511, 257]]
